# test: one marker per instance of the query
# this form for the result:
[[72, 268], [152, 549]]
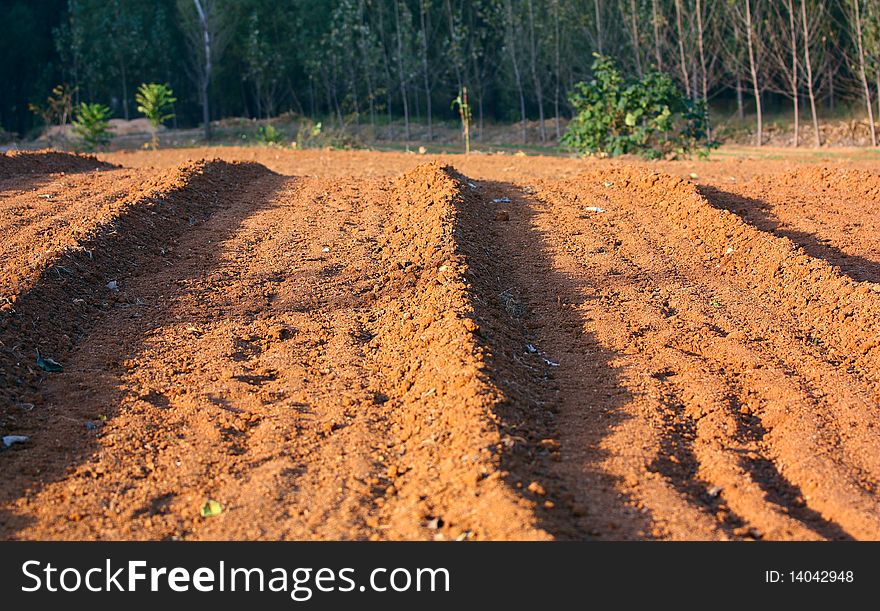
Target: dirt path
[[412, 353]]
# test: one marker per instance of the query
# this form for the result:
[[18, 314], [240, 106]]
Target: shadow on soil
[[760, 215], [524, 310], [25, 171], [60, 312]]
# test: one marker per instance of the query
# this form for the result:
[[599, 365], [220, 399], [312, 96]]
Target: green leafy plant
[[92, 124], [155, 101], [269, 135], [649, 116], [464, 112]]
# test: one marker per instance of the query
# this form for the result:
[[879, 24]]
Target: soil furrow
[[20, 167], [770, 394], [615, 354], [307, 360]]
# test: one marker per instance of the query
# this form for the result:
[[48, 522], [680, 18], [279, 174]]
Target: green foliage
[[154, 101], [464, 113], [269, 135], [649, 116], [92, 125], [315, 135]]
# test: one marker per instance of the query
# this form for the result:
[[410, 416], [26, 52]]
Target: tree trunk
[[681, 56], [511, 38], [599, 32], [425, 66], [456, 64], [830, 88], [754, 72], [740, 111], [809, 67], [878, 92], [703, 70], [857, 15], [400, 70], [124, 91], [536, 80], [794, 72], [658, 55], [634, 34], [558, 69], [207, 68], [206, 111]]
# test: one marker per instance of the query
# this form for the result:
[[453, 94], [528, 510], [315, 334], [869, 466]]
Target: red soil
[[369, 346]]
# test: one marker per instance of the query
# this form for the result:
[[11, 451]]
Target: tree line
[[376, 61]]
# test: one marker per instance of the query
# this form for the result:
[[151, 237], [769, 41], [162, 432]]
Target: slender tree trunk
[[124, 74], [681, 56], [740, 111], [558, 68], [400, 70], [634, 34], [511, 38], [536, 80], [809, 67], [207, 69], [368, 73], [386, 66], [206, 111], [599, 31], [425, 65], [878, 91], [480, 107], [754, 72], [703, 70], [453, 33], [658, 55], [794, 72], [830, 88], [857, 18]]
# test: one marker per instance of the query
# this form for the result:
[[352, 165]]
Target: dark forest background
[[375, 61]]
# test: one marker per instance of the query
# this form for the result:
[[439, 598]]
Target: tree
[[266, 65], [810, 17], [649, 116], [784, 51], [155, 101], [512, 44], [92, 124], [747, 15], [58, 108], [856, 17], [206, 30], [404, 45]]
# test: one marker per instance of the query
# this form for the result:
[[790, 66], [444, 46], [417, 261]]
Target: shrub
[[154, 101], [649, 116], [269, 135], [92, 125], [58, 107]]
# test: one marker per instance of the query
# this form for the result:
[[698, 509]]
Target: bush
[[154, 101], [58, 107], [92, 125], [649, 116], [269, 135]]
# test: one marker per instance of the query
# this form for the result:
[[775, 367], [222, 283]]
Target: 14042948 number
[[821, 576]]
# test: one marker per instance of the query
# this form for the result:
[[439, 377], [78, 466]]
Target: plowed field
[[358, 345]]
